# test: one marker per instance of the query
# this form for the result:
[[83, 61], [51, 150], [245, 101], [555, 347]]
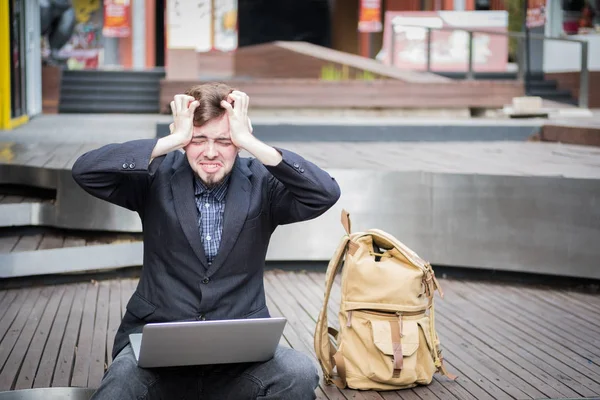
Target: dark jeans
[[288, 375]]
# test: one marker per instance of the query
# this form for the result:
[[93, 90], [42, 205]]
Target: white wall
[[566, 56]]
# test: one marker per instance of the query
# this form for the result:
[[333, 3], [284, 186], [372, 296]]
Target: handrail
[[584, 73]]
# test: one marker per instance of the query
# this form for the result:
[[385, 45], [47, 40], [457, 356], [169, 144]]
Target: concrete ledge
[[70, 260]]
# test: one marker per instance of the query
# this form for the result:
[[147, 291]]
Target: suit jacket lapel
[[182, 185], [236, 210]]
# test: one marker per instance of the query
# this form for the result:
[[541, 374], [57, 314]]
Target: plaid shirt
[[211, 206]]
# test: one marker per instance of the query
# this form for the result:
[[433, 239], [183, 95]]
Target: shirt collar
[[218, 191]]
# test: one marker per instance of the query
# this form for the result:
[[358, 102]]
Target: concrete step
[[27, 251]]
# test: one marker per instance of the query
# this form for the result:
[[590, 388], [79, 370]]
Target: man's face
[[211, 153]]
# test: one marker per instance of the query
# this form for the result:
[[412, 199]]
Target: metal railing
[[522, 62]]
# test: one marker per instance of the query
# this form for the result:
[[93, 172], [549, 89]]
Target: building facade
[[143, 34]]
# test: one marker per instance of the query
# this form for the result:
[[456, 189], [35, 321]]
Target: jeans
[[288, 375]]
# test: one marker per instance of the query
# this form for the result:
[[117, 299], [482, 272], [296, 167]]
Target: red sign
[[117, 18], [449, 40], [369, 19], [536, 13]]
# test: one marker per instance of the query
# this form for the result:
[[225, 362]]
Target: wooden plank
[[571, 343], [114, 318], [312, 291], [297, 336], [29, 368], [297, 317], [488, 352], [566, 306], [501, 330], [71, 241], [51, 241], [43, 377], [15, 319], [41, 159], [3, 294], [7, 304], [128, 286], [62, 155], [81, 369], [27, 243], [312, 93], [557, 309], [468, 322], [64, 365], [98, 354], [478, 366], [17, 339], [585, 302], [83, 149], [7, 243], [572, 331], [291, 336]]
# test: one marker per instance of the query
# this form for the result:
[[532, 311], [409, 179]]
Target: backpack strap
[[437, 351], [325, 348]]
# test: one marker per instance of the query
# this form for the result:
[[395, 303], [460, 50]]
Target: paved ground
[[106, 128]]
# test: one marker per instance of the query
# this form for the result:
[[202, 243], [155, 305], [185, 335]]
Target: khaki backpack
[[387, 338]]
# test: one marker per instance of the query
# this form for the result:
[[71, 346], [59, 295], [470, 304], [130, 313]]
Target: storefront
[[20, 76], [104, 34]]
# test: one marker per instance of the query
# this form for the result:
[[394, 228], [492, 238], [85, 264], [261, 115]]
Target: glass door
[[18, 101]]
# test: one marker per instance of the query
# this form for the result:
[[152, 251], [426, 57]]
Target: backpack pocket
[[389, 348]]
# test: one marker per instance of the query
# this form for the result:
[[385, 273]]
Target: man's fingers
[[242, 100], [171, 127], [194, 105], [173, 108], [227, 106]]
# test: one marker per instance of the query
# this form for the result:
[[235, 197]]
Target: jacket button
[[205, 280], [202, 317], [296, 165], [125, 165], [132, 165], [301, 169]]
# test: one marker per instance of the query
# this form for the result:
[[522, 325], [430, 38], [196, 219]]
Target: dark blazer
[[176, 283]]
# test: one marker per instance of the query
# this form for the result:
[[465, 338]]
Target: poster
[[84, 47], [189, 24], [117, 18], [536, 13], [225, 25], [449, 47], [369, 16]]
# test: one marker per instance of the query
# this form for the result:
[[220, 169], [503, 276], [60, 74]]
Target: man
[[207, 217]]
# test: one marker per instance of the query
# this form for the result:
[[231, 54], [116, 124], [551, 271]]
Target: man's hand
[[183, 108], [241, 129], [239, 122]]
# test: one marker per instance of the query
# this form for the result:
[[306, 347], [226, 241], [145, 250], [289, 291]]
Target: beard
[[212, 181]]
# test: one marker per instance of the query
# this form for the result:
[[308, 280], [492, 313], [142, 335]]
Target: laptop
[[170, 344]]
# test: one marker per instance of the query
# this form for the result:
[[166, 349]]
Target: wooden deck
[[505, 342]]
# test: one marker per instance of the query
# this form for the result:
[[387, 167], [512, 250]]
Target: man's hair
[[209, 95]]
